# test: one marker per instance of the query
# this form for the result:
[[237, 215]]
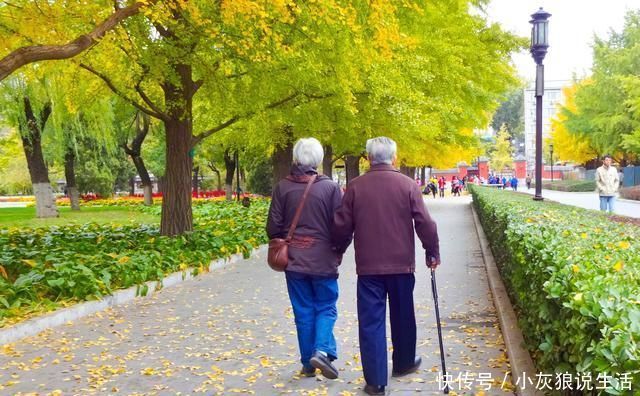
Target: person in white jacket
[[607, 182]]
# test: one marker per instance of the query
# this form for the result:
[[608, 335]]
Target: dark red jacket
[[380, 209], [311, 251]]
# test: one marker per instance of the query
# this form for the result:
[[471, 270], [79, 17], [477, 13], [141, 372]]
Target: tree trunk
[[281, 160], [142, 129], [352, 167], [32, 144], [423, 176], [161, 184], [230, 168], [412, 172], [177, 216], [327, 161], [70, 176], [145, 179], [132, 186], [196, 173], [409, 171], [217, 172]]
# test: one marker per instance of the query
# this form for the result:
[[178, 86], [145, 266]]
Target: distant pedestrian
[[442, 182], [514, 183], [504, 182], [607, 182], [455, 186], [528, 181]]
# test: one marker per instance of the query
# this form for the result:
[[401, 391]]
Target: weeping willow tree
[[53, 112], [26, 105]]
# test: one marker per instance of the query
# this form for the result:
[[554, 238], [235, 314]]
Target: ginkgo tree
[[606, 104], [502, 157], [419, 71], [570, 145]]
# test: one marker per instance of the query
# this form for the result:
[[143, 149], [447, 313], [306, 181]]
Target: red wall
[[546, 174]]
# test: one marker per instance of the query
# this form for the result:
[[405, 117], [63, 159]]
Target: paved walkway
[[232, 332], [588, 200]]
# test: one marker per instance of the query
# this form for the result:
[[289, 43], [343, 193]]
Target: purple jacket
[[311, 251], [380, 208]]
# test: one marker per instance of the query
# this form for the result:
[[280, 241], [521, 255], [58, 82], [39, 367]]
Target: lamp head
[[539, 34]]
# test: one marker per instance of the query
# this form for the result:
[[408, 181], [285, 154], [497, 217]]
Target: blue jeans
[[607, 202], [314, 307], [373, 291]]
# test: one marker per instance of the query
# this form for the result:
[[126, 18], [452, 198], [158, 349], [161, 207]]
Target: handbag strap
[[294, 223]]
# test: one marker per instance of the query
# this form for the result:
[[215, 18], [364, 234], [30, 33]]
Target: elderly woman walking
[[312, 270]]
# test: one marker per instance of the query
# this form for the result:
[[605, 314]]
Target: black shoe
[[323, 364], [308, 371], [374, 389], [416, 364]]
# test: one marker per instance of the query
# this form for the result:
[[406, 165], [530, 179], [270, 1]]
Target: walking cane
[[435, 301]]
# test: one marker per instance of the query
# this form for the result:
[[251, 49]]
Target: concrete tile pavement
[[588, 200], [232, 332]]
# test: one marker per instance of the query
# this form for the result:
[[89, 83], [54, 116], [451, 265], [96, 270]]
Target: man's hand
[[432, 262]]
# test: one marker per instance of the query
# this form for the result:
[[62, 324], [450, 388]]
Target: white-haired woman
[[312, 272]]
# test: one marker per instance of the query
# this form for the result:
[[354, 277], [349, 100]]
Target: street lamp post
[[551, 149], [539, 44]]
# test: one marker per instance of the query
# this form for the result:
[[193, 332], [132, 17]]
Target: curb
[[59, 317], [519, 358]]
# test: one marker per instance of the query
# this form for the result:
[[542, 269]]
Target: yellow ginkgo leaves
[[624, 245]]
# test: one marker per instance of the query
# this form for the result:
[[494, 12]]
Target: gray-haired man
[[380, 209]]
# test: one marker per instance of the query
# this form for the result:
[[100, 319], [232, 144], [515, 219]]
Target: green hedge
[[574, 279], [570, 185], [44, 268], [630, 193]]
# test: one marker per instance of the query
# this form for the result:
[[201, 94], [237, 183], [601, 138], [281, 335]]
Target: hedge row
[[630, 193], [574, 279], [44, 268]]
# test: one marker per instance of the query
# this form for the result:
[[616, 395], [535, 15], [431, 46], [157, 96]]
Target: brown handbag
[[278, 256]]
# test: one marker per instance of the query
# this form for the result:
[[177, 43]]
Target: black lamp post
[[551, 149], [539, 45]]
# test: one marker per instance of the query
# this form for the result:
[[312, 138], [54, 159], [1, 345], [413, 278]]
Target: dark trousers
[[372, 302]]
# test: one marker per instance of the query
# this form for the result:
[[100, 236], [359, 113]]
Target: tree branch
[[44, 115], [34, 53], [203, 135], [149, 102], [127, 150], [141, 132], [121, 94]]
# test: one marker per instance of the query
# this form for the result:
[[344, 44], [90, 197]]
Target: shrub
[[630, 193], [43, 268], [574, 279]]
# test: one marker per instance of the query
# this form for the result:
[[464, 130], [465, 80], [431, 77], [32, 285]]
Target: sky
[[572, 26]]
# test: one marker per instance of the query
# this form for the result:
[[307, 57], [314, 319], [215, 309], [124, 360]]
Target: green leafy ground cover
[[26, 217], [47, 267], [574, 278]]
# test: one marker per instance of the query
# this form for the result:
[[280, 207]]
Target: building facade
[[552, 97]]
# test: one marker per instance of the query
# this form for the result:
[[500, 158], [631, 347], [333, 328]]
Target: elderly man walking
[[380, 209]]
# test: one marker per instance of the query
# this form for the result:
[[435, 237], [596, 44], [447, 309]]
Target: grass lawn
[[26, 217]]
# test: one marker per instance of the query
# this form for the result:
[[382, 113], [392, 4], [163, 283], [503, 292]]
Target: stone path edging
[[519, 357], [59, 317]]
